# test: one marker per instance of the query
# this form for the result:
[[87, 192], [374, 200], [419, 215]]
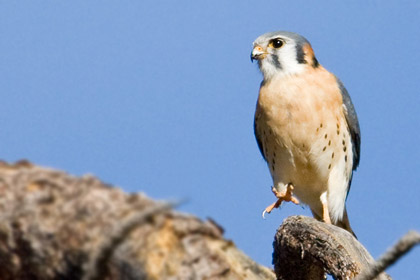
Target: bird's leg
[[281, 196], [325, 213]]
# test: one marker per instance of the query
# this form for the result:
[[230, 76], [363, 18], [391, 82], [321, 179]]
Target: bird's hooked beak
[[258, 53]]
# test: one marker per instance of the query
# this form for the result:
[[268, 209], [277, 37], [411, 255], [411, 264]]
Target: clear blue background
[[159, 96]]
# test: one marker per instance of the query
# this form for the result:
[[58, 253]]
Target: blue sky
[[159, 97]]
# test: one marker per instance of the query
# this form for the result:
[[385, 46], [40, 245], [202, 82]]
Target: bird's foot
[[325, 212], [281, 196]]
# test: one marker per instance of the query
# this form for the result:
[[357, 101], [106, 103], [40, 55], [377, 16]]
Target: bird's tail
[[345, 223]]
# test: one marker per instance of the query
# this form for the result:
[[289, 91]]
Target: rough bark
[[307, 249], [56, 226]]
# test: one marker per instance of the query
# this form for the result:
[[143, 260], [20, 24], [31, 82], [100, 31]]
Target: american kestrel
[[306, 127]]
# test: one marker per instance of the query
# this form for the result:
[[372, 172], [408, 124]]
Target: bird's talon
[[263, 214], [281, 196]]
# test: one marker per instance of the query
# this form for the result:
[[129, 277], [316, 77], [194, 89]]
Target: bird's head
[[282, 53]]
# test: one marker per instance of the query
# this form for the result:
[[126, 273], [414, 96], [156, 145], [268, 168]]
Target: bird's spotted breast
[[302, 129]]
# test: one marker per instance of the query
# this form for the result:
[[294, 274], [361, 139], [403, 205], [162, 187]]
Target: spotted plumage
[[306, 127]]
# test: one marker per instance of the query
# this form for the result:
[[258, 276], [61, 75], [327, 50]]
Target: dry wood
[[57, 226], [405, 244], [305, 248]]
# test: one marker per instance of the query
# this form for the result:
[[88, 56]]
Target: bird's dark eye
[[276, 43]]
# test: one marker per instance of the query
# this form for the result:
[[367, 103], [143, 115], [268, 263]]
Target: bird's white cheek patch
[[268, 69], [287, 65], [291, 65], [293, 68]]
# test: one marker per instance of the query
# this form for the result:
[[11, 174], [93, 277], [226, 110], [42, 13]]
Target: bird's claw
[[271, 207], [263, 214], [281, 196]]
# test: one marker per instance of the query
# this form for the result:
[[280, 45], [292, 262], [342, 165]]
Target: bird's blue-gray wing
[[352, 123], [257, 136]]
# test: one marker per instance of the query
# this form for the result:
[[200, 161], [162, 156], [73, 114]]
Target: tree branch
[[405, 244], [308, 249], [96, 267], [53, 225], [57, 226]]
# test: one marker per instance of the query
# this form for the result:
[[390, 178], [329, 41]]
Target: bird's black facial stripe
[[276, 62], [315, 62], [300, 55]]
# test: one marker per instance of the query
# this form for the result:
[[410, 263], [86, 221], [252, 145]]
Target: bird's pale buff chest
[[304, 135]]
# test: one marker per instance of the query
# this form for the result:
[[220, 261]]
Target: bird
[[306, 128]]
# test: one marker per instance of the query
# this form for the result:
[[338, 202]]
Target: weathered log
[[57, 226], [305, 248]]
